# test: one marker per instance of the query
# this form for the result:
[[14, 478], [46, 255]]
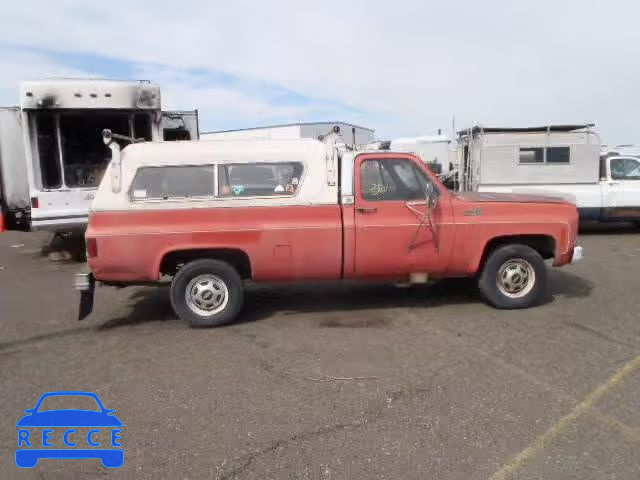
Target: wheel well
[[545, 245], [238, 259]]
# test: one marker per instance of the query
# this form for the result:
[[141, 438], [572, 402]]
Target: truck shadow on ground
[[609, 228], [261, 302], [68, 248]]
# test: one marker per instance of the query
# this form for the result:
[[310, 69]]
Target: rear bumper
[[59, 224]]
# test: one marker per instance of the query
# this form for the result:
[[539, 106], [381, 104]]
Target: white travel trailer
[[560, 160], [51, 152]]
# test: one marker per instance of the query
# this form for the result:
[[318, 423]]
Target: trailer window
[[558, 154], [188, 181], [259, 179], [532, 155], [84, 154], [48, 153]]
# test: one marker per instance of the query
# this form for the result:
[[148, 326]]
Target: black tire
[[514, 258], [221, 274]]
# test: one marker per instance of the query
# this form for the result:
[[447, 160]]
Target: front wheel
[[513, 276], [207, 293]]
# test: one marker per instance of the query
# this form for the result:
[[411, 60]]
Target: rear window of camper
[[155, 183], [259, 179]]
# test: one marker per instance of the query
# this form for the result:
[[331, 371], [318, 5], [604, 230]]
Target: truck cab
[[214, 215], [620, 186]]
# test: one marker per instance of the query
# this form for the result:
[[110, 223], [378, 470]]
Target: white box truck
[[52, 156]]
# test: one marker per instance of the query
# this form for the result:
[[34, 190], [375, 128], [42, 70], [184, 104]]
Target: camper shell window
[[548, 155], [259, 179], [558, 154], [163, 183], [532, 155]]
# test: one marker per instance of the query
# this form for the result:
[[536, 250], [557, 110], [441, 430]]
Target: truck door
[[393, 236], [180, 125], [621, 190]]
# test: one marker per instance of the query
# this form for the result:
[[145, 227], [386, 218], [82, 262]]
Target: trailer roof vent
[[29, 94], [77, 94], [108, 95], [93, 95]]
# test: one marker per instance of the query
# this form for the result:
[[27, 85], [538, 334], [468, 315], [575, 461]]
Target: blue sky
[[291, 105], [404, 67]]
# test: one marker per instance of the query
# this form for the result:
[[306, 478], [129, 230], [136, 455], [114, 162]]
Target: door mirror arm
[[425, 217]]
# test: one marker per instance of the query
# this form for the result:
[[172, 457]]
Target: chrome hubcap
[[206, 295], [516, 278]]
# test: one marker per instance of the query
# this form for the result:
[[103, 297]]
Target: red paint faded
[[131, 244], [366, 239]]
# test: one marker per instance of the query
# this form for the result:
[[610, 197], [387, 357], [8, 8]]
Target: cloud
[[226, 102], [17, 66], [404, 67]]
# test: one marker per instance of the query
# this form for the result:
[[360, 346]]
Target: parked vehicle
[[179, 210], [562, 160], [434, 150], [51, 155]]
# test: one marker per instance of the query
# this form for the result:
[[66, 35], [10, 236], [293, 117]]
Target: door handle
[[367, 209]]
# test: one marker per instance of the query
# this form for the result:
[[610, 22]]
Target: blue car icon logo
[[94, 432]]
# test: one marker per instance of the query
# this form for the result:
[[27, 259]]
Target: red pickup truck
[[213, 215]]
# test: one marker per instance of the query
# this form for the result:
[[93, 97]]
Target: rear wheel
[[513, 276], [207, 293]]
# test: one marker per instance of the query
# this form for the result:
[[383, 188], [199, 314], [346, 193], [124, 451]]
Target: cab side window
[[625, 169], [393, 179], [162, 183]]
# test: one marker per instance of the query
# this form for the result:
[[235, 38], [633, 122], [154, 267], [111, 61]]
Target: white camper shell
[[559, 160], [52, 157], [493, 158]]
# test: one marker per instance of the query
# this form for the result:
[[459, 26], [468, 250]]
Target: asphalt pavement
[[337, 381]]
